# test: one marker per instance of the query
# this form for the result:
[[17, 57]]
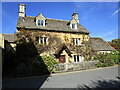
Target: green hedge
[[107, 59]]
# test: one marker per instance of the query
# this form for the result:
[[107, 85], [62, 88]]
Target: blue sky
[[100, 18]]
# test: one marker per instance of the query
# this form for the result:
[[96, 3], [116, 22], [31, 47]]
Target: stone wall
[[75, 66], [1, 41], [55, 40]]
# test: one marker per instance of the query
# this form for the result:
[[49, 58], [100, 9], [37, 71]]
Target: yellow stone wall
[[1, 41], [66, 38]]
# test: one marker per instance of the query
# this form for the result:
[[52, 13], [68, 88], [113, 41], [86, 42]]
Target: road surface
[[97, 78], [94, 78]]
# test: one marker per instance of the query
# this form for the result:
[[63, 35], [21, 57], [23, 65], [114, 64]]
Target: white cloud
[[116, 12], [108, 34]]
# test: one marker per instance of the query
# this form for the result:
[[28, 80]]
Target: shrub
[[50, 62], [107, 59]]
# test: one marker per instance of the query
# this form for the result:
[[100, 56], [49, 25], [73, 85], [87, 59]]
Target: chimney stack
[[75, 16], [22, 10]]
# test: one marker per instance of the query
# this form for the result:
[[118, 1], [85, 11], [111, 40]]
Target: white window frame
[[43, 40], [77, 41], [40, 21], [75, 25], [77, 58]]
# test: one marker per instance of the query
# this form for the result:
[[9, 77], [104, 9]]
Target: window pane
[[80, 59], [77, 58], [73, 26], [79, 41], [41, 22], [45, 40], [41, 40], [74, 58], [38, 22], [76, 41]]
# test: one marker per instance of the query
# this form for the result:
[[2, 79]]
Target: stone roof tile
[[10, 37], [99, 44], [28, 22]]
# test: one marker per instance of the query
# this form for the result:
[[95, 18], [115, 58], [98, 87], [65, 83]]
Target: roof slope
[[51, 25], [99, 44], [10, 37]]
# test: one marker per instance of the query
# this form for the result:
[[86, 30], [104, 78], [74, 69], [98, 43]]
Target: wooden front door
[[62, 59]]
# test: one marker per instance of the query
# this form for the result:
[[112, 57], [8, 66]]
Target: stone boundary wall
[[64, 67]]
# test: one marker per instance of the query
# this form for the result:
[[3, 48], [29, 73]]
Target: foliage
[[116, 40], [50, 62], [116, 57], [55, 42], [84, 49], [115, 43], [107, 59]]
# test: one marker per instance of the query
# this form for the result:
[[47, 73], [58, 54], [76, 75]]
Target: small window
[[74, 26], [42, 40], [41, 22], [76, 41], [77, 58]]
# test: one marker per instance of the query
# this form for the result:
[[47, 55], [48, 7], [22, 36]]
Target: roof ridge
[[58, 19], [30, 16], [7, 34], [51, 19]]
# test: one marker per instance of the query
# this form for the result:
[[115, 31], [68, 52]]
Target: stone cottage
[[67, 41], [8, 46]]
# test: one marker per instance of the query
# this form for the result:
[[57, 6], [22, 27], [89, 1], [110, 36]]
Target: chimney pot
[[22, 10]]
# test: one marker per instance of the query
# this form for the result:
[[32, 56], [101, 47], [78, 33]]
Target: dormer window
[[40, 22], [73, 25]]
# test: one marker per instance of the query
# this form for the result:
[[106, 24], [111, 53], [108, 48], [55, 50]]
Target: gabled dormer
[[73, 24], [40, 20], [74, 21]]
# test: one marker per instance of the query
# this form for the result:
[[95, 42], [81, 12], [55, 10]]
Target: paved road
[[103, 78], [97, 78]]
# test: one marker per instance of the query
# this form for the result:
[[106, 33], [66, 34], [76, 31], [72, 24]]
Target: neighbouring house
[[10, 41], [8, 45], [1, 41], [68, 41], [1, 47], [99, 45]]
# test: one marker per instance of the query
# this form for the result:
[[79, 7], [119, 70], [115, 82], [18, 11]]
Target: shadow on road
[[101, 84], [34, 83], [29, 71]]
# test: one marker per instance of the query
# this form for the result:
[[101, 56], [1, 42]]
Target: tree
[[115, 43]]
